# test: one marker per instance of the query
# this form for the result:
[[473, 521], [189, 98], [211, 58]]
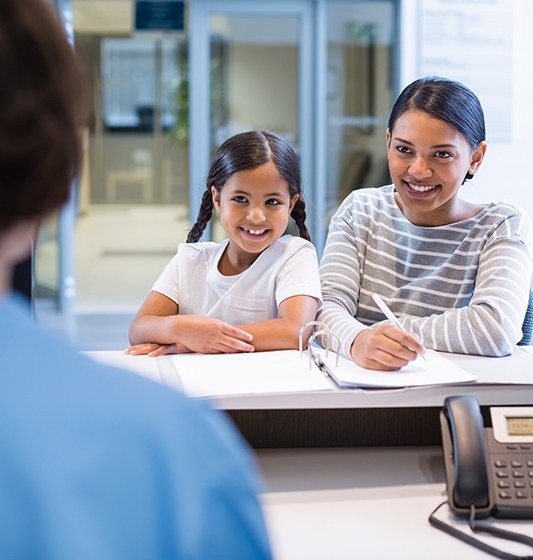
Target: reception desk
[[355, 474], [362, 503], [355, 417], [347, 418]]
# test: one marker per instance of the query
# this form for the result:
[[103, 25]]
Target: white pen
[[390, 316]]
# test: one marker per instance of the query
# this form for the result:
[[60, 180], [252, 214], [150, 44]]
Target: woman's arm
[[486, 282], [382, 347], [283, 333], [340, 273], [491, 324], [158, 322]]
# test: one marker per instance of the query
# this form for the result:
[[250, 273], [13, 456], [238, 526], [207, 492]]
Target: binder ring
[[324, 331]]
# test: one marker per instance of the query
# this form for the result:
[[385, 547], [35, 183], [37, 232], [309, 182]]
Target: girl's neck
[[232, 263]]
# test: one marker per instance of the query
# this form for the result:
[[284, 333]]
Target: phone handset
[[465, 454], [467, 446]]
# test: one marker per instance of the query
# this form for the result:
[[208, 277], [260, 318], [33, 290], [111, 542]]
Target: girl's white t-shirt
[[289, 267]]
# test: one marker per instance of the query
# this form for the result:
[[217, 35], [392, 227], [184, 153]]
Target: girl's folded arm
[[158, 322], [283, 332], [153, 322]]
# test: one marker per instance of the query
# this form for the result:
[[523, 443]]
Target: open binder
[[317, 368], [435, 369], [293, 371]]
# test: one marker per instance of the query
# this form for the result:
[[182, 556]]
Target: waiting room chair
[[527, 325]]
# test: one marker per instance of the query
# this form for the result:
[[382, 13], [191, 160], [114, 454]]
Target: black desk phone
[[488, 466]]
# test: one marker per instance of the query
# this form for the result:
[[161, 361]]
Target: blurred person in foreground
[[94, 462]]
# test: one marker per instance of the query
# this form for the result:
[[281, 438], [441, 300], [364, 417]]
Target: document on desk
[[434, 370], [283, 371]]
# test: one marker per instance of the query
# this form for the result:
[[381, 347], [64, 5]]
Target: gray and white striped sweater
[[461, 287]]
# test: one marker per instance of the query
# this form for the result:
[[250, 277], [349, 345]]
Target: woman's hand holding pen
[[385, 347]]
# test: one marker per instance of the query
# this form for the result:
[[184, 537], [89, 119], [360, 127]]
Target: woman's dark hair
[[40, 112], [446, 100], [249, 150]]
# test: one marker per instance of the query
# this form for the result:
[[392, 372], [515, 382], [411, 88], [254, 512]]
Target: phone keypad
[[513, 470]]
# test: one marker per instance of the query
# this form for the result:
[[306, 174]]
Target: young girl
[[256, 289], [455, 273]]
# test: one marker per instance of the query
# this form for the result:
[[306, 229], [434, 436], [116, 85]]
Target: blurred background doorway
[[321, 73]]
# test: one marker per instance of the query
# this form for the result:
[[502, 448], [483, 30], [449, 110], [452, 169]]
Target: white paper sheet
[[435, 370], [284, 371]]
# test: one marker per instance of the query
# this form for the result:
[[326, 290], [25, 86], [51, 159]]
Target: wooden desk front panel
[[340, 427]]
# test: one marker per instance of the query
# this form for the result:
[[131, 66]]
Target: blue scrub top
[[97, 463]]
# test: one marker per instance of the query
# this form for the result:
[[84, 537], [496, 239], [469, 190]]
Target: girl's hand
[[212, 336], [385, 347], [153, 349]]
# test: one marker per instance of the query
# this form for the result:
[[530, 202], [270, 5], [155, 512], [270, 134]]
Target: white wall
[[505, 173]]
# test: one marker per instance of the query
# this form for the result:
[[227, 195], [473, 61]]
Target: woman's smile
[[420, 191]]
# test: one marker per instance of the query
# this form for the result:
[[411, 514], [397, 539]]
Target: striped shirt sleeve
[[461, 288]]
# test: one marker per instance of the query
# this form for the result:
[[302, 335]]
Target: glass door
[[53, 264], [320, 72], [251, 68], [361, 86]]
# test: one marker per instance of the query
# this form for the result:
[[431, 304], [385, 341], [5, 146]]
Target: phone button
[[505, 484], [504, 495]]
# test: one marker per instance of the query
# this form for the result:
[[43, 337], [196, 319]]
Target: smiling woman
[[429, 160], [456, 274], [255, 290]]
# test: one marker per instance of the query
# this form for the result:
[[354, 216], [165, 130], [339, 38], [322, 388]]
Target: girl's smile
[[254, 232]]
